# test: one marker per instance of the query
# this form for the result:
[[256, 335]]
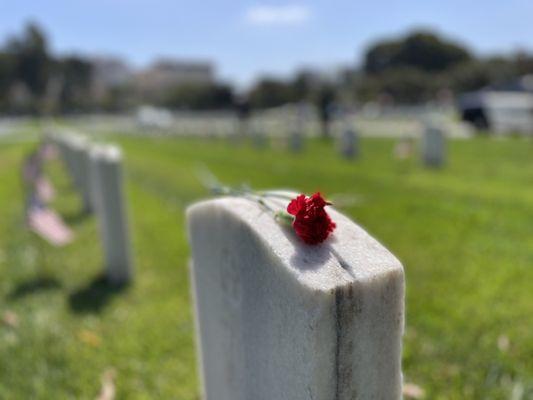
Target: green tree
[[324, 99], [200, 97], [382, 56], [270, 92], [476, 74], [409, 85], [414, 68], [76, 77], [32, 62], [422, 50], [523, 63], [7, 73], [303, 85]]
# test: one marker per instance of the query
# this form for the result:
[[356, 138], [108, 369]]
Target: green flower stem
[[258, 197]]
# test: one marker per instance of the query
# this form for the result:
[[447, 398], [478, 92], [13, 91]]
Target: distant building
[[165, 74], [111, 72], [108, 73], [502, 109]]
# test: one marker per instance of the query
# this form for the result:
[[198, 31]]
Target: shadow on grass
[[76, 217], [93, 297], [39, 284]]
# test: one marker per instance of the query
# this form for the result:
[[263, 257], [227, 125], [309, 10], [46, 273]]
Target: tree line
[[30, 79], [418, 67]]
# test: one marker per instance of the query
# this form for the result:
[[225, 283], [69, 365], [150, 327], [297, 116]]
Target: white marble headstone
[[79, 148], [279, 319], [111, 210], [66, 155], [74, 150]]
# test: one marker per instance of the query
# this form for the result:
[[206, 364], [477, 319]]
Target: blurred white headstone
[[259, 138], [297, 131], [433, 146], [234, 135], [349, 138], [79, 147], [296, 141], [349, 145], [111, 210], [66, 155], [278, 319]]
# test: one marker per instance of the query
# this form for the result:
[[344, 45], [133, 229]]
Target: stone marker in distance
[[278, 319], [111, 210], [296, 118], [433, 146], [259, 137], [349, 143], [296, 141]]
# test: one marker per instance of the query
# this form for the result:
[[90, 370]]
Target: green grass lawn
[[463, 233]]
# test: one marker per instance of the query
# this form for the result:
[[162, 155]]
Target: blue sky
[[247, 38]]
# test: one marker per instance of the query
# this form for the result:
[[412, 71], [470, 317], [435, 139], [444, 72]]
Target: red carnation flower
[[311, 221]]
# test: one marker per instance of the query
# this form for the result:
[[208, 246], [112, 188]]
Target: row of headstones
[[432, 151], [279, 319], [97, 173], [276, 318]]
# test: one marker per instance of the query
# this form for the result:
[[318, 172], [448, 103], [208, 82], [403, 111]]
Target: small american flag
[[49, 225]]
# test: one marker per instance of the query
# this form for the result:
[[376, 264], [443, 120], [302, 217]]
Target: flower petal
[[296, 205]]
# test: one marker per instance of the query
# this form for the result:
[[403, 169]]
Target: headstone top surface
[[76, 140], [350, 255], [106, 152], [97, 151], [113, 153]]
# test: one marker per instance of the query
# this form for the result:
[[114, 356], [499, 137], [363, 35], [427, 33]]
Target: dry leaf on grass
[[412, 391], [90, 338], [503, 343], [107, 392], [10, 319]]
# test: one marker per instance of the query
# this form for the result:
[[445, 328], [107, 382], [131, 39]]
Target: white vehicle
[[499, 111]]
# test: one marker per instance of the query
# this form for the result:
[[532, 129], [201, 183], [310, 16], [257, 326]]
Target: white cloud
[[290, 14]]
